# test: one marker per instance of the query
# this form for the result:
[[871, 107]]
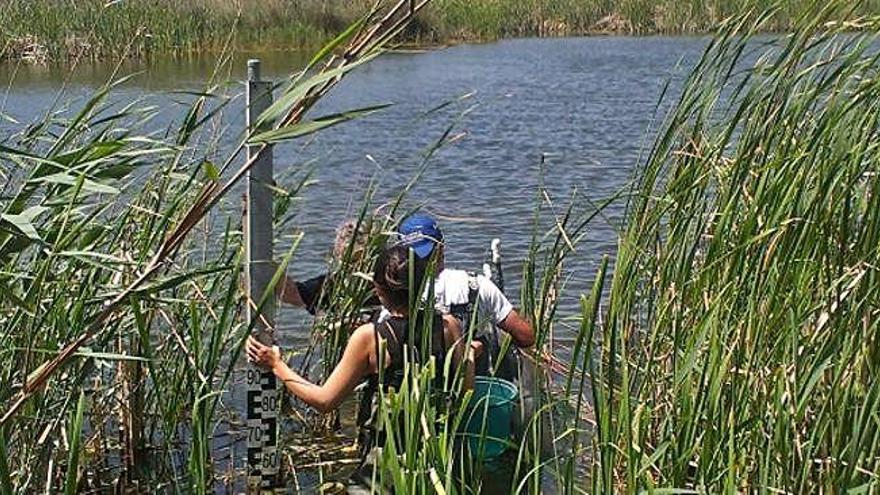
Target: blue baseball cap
[[420, 232]]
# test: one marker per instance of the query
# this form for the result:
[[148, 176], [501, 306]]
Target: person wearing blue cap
[[457, 292]]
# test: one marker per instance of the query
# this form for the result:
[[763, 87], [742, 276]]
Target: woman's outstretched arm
[[288, 292], [352, 368]]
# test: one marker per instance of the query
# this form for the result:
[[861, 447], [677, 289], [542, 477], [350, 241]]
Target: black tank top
[[400, 341]]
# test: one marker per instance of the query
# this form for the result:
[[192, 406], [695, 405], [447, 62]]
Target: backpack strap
[[473, 289], [366, 411], [464, 311], [394, 332]]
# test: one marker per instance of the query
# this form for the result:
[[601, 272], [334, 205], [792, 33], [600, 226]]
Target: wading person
[[314, 294], [361, 361], [464, 294]]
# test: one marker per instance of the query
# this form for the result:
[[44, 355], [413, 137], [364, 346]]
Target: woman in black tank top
[[360, 360]]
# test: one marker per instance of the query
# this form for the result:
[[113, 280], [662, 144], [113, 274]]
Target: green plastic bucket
[[489, 416]]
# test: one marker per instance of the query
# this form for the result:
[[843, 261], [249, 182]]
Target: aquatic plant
[[57, 31], [739, 338], [731, 346], [110, 304], [44, 31]]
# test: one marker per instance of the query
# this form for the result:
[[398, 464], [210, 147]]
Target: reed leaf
[[74, 435]]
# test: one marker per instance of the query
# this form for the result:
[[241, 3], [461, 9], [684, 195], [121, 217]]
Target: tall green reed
[[732, 347], [422, 421], [57, 31], [738, 344], [107, 298], [88, 236], [430, 453]]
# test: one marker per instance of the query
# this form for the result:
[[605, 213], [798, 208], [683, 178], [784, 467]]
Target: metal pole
[[262, 387]]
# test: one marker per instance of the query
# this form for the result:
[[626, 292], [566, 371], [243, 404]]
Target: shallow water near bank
[[580, 109]]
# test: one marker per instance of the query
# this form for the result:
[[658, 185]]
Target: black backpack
[[395, 332]]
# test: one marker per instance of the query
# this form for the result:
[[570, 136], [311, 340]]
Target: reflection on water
[[571, 113]]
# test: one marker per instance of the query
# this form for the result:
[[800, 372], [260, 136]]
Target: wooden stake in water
[[262, 387]]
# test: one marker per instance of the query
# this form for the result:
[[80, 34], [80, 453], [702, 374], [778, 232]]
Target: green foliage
[[74, 438], [735, 347], [107, 297], [740, 341], [56, 29], [731, 347], [96, 227], [59, 30]]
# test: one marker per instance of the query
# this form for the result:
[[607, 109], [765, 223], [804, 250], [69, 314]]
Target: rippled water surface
[[585, 108]]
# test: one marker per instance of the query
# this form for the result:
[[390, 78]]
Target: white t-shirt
[[453, 286]]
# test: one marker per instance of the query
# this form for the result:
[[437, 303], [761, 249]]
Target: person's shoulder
[[363, 332], [451, 325], [453, 276]]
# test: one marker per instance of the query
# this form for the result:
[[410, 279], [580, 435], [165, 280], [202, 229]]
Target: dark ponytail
[[391, 277]]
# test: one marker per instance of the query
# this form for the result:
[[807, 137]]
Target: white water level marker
[[263, 458]]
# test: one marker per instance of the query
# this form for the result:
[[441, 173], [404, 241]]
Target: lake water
[[584, 107]]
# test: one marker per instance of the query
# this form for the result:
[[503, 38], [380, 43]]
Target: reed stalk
[[95, 252], [740, 328], [728, 345], [58, 31]]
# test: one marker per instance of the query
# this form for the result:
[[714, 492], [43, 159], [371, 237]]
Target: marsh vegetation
[[58, 31], [730, 343]]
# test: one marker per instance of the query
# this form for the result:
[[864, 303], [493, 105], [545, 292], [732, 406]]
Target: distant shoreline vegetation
[[59, 31]]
